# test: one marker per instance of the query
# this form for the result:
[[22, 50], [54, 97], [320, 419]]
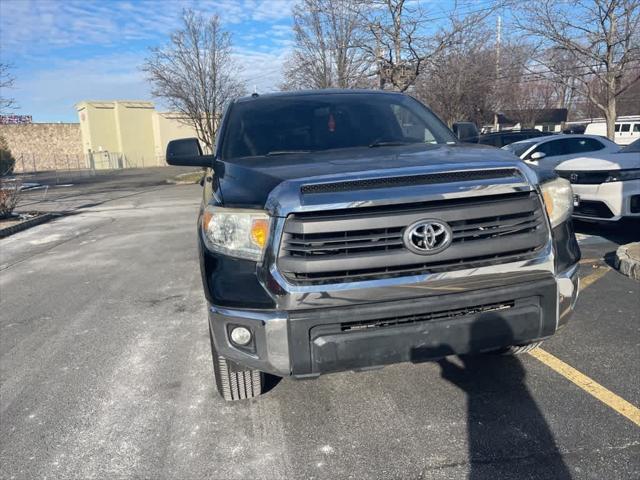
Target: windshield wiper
[[390, 144], [287, 152]]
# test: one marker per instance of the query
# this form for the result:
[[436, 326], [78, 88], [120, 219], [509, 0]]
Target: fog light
[[240, 336]]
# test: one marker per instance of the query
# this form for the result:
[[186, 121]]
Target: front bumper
[[310, 342], [612, 201]]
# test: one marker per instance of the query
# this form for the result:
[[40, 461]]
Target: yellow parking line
[[589, 385], [585, 261], [597, 274]]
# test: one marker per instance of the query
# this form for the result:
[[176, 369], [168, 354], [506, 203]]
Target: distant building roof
[[113, 103]]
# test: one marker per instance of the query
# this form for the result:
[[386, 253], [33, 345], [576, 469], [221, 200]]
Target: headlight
[[623, 175], [236, 232], [558, 200]]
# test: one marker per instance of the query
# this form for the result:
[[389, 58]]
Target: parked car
[[500, 139], [347, 230], [546, 153], [606, 187]]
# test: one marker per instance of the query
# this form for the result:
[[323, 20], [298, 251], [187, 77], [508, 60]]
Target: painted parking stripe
[[589, 385], [598, 272]]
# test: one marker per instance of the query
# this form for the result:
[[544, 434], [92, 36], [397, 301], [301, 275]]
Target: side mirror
[[466, 131], [186, 152], [537, 156]]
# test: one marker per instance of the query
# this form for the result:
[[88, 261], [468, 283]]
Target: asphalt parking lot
[[105, 372]]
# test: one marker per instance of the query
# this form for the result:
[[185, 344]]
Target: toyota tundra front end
[[348, 230]]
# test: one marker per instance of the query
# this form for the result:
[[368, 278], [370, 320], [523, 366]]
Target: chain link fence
[[33, 162]]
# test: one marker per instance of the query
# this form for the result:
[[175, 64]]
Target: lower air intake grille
[[592, 208], [426, 317]]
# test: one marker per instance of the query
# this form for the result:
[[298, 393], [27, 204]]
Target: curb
[[5, 232], [628, 262]]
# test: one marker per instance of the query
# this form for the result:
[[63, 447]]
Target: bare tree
[[196, 74], [458, 83], [6, 81], [402, 39], [530, 99], [562, 75], [324, 54], [602, 39]]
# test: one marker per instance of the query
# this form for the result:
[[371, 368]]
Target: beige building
[[127, 133]]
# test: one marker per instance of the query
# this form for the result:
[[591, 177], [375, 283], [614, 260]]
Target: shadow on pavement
[[508, 436], [620, 232]]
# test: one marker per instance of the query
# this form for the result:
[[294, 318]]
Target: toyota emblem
[[427, 237], [573, 178]]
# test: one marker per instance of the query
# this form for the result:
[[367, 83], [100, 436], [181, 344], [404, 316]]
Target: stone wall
[[45, 146]]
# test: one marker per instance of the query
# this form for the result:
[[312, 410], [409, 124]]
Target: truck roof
[[328, 91]]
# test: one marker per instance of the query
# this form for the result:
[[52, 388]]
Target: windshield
[[519, 148], [309, 123], [631, 148]]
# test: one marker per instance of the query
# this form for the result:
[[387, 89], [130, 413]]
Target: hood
[[247, 182], [611, 161]]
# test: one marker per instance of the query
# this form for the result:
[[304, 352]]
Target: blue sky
[[67, 51]]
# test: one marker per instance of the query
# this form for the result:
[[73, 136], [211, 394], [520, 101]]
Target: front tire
[[517, 349], [234, 381]]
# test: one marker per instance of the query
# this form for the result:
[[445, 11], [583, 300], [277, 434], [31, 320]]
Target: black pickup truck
[[347, 230]]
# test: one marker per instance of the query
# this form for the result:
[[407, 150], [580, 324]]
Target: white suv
[[606, 186]]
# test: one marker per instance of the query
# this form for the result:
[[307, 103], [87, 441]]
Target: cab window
[[626, 127], [412, 127], [318, 122]]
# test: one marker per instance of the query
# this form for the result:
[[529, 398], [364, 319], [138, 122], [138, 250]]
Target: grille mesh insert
[[408, 180]]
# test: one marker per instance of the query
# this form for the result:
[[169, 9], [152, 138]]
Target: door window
[[552, 148], [626, 127], [578, 145]]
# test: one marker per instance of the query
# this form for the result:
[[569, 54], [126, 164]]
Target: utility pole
[[498, 40], [381, 73]]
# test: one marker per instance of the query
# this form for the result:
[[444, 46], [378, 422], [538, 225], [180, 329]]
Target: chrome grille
[[346, 245]]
